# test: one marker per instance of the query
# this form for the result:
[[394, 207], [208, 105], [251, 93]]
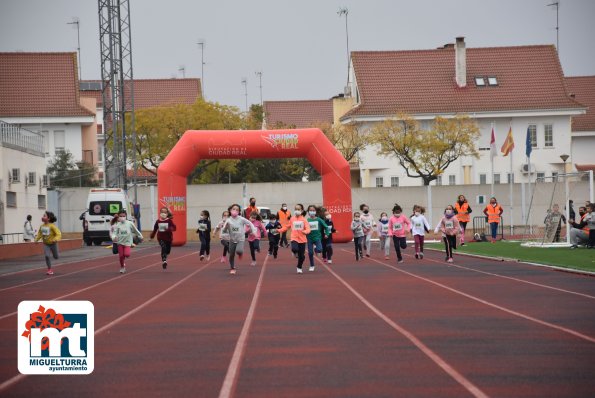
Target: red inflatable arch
[[246, 144]]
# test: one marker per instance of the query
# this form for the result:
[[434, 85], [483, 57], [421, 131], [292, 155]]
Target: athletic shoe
[[223, 259], [329, 262], [164, 265], [269, 254], [208, 257], [253, 263], [299, 271], [202, 257], [232, 271], [386, 257], [50, 272], [421, 255], [122, 270], [574, 247], [446, 258], [462, 244], [450, 260], [416, 256], [311, 269], [367, 255], [400, 261]]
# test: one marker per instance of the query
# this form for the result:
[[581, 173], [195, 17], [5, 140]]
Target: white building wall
[[583, 148]]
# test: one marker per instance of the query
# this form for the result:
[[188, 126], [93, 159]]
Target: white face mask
[[121, 219], [297, 212], [397, 214], [449, 212], [163, 215], [384, 219], [284, 207], [328, 216], [312, 213], [417, 213]]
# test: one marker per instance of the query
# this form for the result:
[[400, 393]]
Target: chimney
[[461, 62]]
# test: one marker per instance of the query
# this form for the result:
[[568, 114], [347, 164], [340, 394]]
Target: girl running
[[273, 234], [254, 238], [224, 236], [284, 215], [123, 234], [327, 239], [235, 226], [367, 223], [383, 234], [449, 226], [419, 227], [204, 233], [299, 234], [164, 228], [50, 234], [398, 225], [358, 235], [317, 229], [462, 210]]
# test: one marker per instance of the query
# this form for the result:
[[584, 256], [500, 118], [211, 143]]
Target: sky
[[299, 46]]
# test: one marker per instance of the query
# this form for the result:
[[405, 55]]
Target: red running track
[[372, 328]]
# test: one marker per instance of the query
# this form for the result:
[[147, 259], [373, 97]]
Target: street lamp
[[564, 158], [345, 11], [201, 43]]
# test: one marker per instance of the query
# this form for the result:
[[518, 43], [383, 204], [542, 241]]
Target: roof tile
[[583, 87], [298, 114]]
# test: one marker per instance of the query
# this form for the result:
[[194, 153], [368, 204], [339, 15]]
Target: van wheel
[[97, 242], [89, 242]]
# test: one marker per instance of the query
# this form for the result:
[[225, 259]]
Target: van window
[[265, 214], [104, 208]]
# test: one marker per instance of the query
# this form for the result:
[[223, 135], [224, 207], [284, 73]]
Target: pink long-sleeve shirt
[[398, 226]]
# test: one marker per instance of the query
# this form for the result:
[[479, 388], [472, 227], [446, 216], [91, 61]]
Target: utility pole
[[557, 5], [245, 84], [201, 43], [345, 11], [259, 74], [76, 21]]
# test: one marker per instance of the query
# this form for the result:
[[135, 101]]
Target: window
[[496, 178], [439, 180], [510, 177], [554, 176], [548, 133], [483, 179], [59, 141], [394, 181], [11, 199], [100, 153], [45, 181], [41, 201], [104, 208], [16, 175], [452, 179], [379, 182], [492, 81], [541, 176], [533, 135], [480, 82], [31, 178], [426, 125]]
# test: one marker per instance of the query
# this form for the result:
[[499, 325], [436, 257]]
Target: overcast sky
[[298, 45]]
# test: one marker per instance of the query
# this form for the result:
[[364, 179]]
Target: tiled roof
[[298, 114], [585, 167], [423, 81], [141, 173], [155, 92], [583, 87], [39, 84]]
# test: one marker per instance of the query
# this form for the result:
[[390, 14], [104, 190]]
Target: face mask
[[581, 213], [201, 217], [284, 208], [448, 212], [493, 204], [366, 211], [252, 203], [297, 212], [163, 215], [384, 218], [121, 219], [397, 214], [328, 216], [355, 218], [312, 213], [417, 213], [234, 213]]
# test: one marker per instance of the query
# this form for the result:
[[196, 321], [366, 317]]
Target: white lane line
[[452, 372], [231, 378]]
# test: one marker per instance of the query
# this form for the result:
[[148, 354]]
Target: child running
[[327, 239], [123, 234], [299, 234], [368, 224], [449, 226], [462, 211], [204, 234], [273, 234], [224, 236], [317, 229], [419, 227], [254, 237], [235, 226], [383, 234], [358, 235], [164, 228], [398, 225], [50, 234]]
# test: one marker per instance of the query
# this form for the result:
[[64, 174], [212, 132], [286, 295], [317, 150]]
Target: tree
[[426, 154], [346, 138], [64, 172]]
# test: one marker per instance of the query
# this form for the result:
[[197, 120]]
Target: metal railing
[[16, 237], [15, 137]]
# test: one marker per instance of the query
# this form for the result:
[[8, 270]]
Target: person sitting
[[579, 233]]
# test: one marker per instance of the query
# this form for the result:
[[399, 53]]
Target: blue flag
[[529, 147]]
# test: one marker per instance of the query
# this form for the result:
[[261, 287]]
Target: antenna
[[259, 74], [345, 11], [182, 69], [245, 84], [76, 21], [557, 5], [201, 43]]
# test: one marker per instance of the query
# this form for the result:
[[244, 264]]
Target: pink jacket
[[259, 231], [398, 226], [449, 226]]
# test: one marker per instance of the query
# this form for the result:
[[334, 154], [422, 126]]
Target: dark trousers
[[399, 243], [300, 250], [283, 241], [165, 249], [591, 242], [357, 241], [225, 244], [205, 245], [274, 245], [327, 248], [494, 228], [450, 243], [254, 247]]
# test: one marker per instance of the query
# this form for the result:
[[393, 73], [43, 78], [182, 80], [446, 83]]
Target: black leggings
[[327, 248], [300, 250], [165, 249], [225, 244], [205, 245], [254, 247], [357, 241], [273, 245], [399, 243], [450, 242], [283, 241]]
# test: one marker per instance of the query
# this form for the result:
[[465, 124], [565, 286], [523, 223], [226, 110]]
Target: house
[[520, 87], [148, 93], [582, 89], [298, 114]]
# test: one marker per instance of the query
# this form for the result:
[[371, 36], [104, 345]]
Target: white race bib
[[45, 231], [163, 226], [298, 226], [397, 226], [368, 224], [235, 229], [313, 225], [202, 227], [449, 224], [384, 228], [418, 225]]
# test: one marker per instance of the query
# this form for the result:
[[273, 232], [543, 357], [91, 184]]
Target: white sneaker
[[329, 262], [253, 263], [122, 270], [450, 260], [311, 269], [299, 271], [202, 257]]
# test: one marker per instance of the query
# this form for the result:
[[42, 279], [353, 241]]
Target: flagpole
[[492, 145], [511, 194]]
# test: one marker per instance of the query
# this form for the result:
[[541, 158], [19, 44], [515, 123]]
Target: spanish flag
[[508, 145]]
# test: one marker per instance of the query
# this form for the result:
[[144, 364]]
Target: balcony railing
[[15, 137]]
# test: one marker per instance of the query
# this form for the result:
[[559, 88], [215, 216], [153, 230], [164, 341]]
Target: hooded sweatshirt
[[235, 227]]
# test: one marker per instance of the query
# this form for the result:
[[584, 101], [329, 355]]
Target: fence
[[15, 137]]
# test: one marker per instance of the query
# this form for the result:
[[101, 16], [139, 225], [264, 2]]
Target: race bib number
[[449, 224], [45, 231], [418, 225], [367, 224], [384, 228], [397, 226], [313, 225], [202, 227], [298, 226], [163, 226], [274, 231]]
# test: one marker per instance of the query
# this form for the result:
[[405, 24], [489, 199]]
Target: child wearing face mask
[[300, 228], [224, 236], [450, 228], [123, 234], [327, 239], [50, 235], [358, 234], [284, 216], [204, 234], [317, 230], [273, 234], [398, 225], [368, 224], [419, 227], [383, 234], [164, 228], [254, 238], [235, 226]]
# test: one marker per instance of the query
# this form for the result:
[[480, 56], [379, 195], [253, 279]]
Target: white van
[[102, 205]]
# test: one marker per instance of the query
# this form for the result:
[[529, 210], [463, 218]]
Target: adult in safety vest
[[493, 211], [462, 210], [579, 233]]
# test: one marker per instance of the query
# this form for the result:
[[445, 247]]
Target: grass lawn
[[581, 258]]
